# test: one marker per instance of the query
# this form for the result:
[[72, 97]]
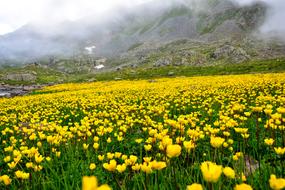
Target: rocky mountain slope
[[181, 33], [218, 19]]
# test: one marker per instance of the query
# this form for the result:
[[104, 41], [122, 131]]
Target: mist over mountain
[[156, 22]]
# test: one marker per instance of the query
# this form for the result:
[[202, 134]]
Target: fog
[[274, 23], [16, 13]]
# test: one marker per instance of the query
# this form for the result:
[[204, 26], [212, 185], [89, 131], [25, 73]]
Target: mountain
[[147, 27]]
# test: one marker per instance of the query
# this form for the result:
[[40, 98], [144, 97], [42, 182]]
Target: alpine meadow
[[142, 95]]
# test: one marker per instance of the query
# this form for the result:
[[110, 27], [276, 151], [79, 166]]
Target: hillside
[[114, 35], [181, 33]]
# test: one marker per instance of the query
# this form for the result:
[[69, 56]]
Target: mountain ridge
[[116, 36]]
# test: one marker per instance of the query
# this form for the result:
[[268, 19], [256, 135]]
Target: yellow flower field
[[216, 132]]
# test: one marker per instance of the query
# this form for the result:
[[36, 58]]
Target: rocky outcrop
[[11, 91], [237, 55], [163, 62], [20, 77]]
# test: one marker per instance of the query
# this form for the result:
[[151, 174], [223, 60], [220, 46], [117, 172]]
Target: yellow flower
[[158, 165], [243, 177], [173, 150], [146, 168], [188, 145], [7, 159], [211, 172], [91, 183], [243, 186], [216, 142], [85, 146], [147, 159], [39, 144], [276, 183], [95, 146], [58, 154], [237, 156], [22, 175], [110, 155], [136, 167], [269, 141], [147, 147], [29, 165], [92, 166], [118, 154], [279, 150], [195, 186], [229, 172], [110, 166], [101, 157], [39, 158], [5, 179], [133, 159], [12, 165], [138, 141], [121, 168], [96, 139]]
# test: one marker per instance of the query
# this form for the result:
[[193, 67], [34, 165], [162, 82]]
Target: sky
[[16, 13]]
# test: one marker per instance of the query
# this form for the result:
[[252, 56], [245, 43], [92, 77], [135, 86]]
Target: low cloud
[[273, 24]]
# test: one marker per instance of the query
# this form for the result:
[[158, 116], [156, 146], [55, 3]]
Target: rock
[[30, 88], [163, 62], [4, 94], [11, 91], [20, 77], [251, 165], [227, 51], [171, 73], [134, 65], [34, 73], [183, 61], [92, 80], [152, 81]]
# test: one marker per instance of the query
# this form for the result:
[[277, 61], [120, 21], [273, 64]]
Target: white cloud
[[5, 28], [15, 13], [274, 18]]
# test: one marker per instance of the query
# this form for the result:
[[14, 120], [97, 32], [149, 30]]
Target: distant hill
[[205, 20]]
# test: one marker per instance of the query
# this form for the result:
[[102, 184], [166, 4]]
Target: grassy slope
[[44, 75], [260, 66], [48, 75]]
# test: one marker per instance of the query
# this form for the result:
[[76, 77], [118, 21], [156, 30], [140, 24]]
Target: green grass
[[257, 66], [44, 75]]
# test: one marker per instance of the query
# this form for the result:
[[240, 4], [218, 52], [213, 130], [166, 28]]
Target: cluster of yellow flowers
[[133, 127], [91, 183]]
